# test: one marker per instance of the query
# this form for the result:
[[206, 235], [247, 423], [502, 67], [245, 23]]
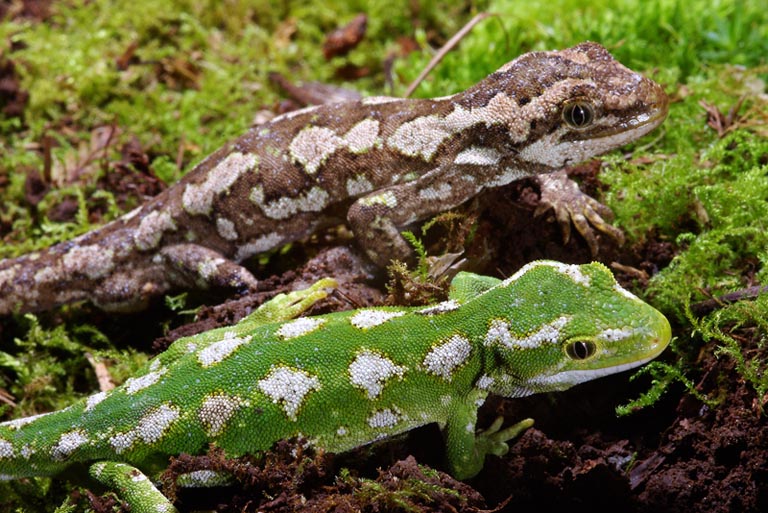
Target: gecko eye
[[580, 349], [578, 114]]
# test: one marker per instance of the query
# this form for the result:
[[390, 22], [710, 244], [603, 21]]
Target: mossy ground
[[109, 101]]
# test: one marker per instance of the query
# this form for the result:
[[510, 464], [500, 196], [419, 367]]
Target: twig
[[102, 373], [705, 307], [443, 51]]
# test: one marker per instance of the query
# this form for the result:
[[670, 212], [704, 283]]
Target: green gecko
[[347, 379]]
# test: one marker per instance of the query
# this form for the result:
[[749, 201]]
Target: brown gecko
[[385, 162]]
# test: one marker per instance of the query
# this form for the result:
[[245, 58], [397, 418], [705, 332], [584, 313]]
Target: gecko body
[[346, 379], [380, 163]]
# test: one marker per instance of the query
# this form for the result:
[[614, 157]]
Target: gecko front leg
[[572, 206], [378, 218], [465, 449]]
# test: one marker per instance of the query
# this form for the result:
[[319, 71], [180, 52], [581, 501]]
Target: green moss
[[407, 495], [745, 320], [714, 207], [44, 371]]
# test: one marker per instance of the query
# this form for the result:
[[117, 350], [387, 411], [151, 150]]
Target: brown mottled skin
[[385, 163]]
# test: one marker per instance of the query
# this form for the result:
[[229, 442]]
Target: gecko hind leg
[[131, 486], [190, 265]]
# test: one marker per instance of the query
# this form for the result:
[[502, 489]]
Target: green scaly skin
[[346, 379]]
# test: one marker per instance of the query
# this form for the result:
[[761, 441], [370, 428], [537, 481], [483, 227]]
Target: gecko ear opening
[[578, 114]]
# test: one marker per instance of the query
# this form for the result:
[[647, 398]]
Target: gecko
[[346, 379], [382, 163]]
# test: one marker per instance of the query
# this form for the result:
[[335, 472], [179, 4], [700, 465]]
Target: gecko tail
[[90, 267]]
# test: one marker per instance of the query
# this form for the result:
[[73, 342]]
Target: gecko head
[[567, 324], [570, 105]]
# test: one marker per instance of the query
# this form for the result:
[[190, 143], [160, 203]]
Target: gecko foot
[[572, 206], [494, 439]]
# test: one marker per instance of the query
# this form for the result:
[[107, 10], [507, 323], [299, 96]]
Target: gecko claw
[[573, 207]]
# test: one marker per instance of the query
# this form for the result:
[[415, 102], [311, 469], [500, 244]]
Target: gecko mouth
[[646, 344], [655, 109]]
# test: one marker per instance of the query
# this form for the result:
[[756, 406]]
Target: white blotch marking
[[149, 429], [8, 275], [295, 113], [258, 245], [484, 382], [423, 136], [208, 267], [420, 137], [201, 478], [289, 387], [47, 275], [6, 449], [133, 385], [385, 418], [371, 372], [498, 332], [440, 308], [130, 215], [439, 192], [479, 156], [67, 444], [27, 452], [218, 351], [94, 399], [138, 477], [312, 146], [443, 359], [624, 292], [470, 427], [614, 335], [386, 198], [216, 411], [198, 198], [362, 137], [369, 318], [358, 186], [508, 175], [573, 271], [151, 229], [18, 423], [122, 441], [226, 229], [342, 431], [313, 200], [153, 426], [299, 327], [93, 261], [378, 100]]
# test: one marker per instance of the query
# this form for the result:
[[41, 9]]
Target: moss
[[45, 369]]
